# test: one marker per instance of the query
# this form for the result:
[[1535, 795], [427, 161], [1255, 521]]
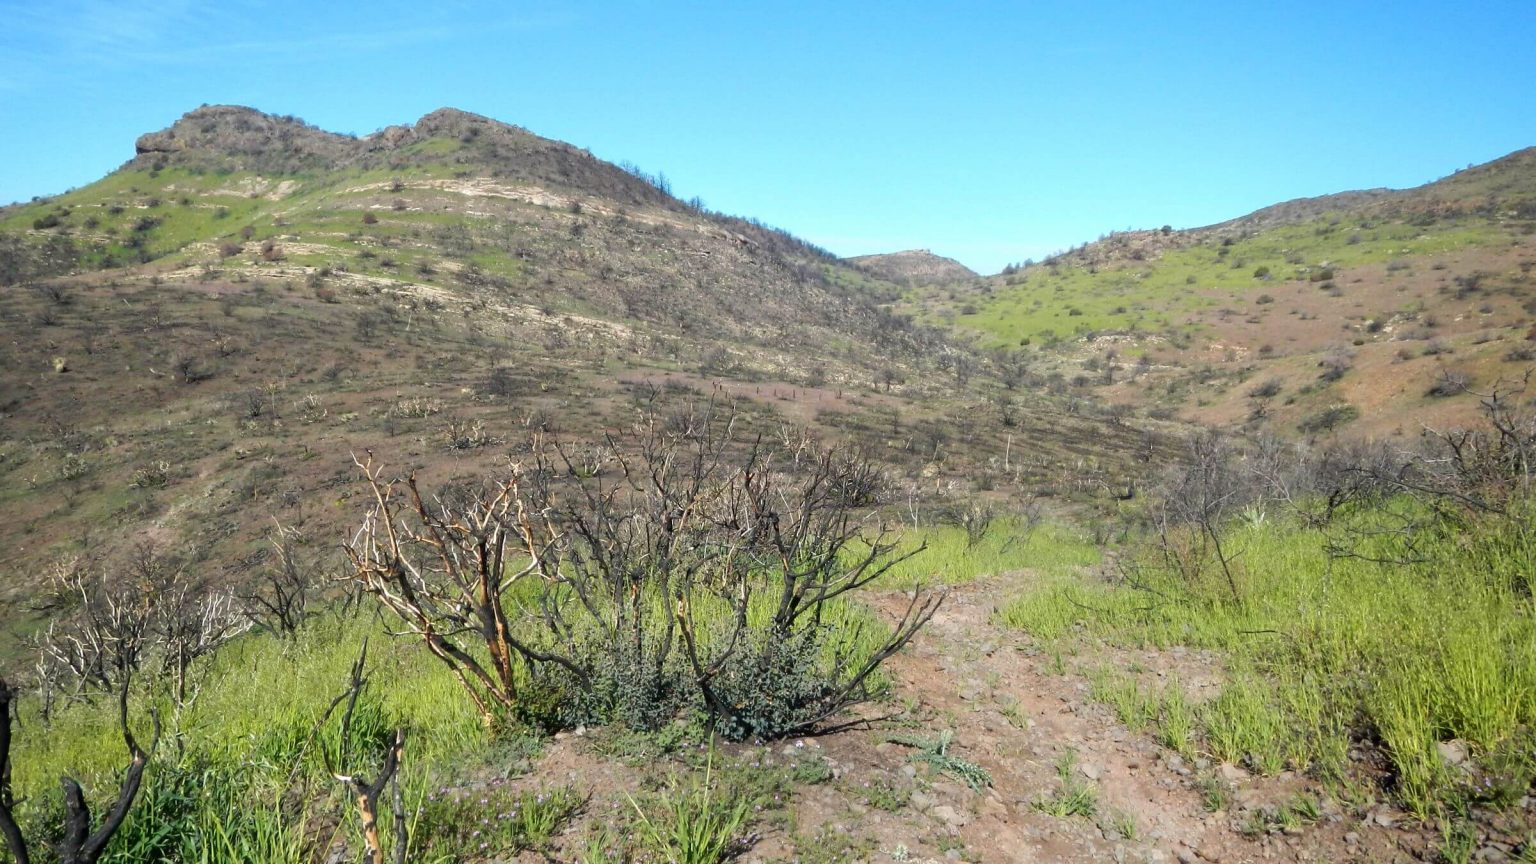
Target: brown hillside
[[913, 267]]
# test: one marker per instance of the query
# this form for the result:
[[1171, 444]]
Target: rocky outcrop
[[246, 137]]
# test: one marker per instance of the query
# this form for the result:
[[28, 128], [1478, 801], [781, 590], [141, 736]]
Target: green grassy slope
[[1404, 284]]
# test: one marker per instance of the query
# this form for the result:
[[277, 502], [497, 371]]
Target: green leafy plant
[[935, 752]]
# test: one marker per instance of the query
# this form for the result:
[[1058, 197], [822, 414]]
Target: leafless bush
[[974, 518], [148, 609], [689, 524], [1269, 389], [1450, 382], [417, 407], [854, 480], [1197, 498], [280, 604], [1484, 468], [102, 640], [588, 461], [189, 369], [1451, 473], [1336, 362], [54, 293]]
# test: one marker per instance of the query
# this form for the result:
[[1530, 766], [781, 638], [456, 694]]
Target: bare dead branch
[[79, 844]]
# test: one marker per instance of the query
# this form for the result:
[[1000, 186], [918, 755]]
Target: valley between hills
[[598, 526]]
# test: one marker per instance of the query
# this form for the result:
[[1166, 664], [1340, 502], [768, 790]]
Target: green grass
[[1075, 797], [1133, 708], [219, 788], [951, 559], [693, 823], [284, 689], [491, 820], [1044, 304], [1417, 655]]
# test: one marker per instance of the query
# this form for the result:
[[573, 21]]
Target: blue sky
[[989, 132]]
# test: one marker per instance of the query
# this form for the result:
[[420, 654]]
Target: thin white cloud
[[84, 27], [45, 45]]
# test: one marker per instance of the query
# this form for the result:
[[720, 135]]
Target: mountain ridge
[[271, 298]]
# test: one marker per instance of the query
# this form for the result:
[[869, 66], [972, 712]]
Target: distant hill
[[1358, 313], [913, 267]]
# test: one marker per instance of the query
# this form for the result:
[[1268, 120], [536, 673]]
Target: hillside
[[617, 530], [913, 267], [203, 338], [1368, 311]]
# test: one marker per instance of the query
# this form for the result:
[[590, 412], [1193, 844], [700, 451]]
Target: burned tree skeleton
[[79, 844], [697, 570]]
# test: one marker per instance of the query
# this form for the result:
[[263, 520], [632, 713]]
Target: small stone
[[1384, 818], [920, 801], [909, 771], [1455, 754], [954, 854], [1231, 773], [950, 816], [1352, 838], [993, 807], [1091, 771]]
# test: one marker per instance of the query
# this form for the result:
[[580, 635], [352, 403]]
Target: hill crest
[[913, 267], [238, 138]]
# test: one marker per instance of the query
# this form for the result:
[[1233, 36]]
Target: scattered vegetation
[[1313, 577]]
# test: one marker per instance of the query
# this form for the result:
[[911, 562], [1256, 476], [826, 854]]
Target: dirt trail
[[1013, 716]]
